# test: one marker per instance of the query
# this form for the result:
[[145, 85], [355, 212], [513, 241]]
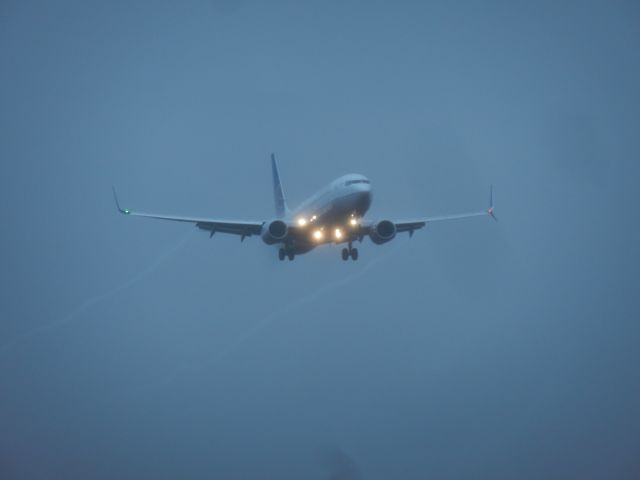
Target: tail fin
[[278, 194]]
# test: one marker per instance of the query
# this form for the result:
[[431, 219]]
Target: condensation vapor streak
[[96, 299], [300, 302], [260, 325]]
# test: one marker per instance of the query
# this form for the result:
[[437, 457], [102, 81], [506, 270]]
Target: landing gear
[[350, 252], [286, 253]]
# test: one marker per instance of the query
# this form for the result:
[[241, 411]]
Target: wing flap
[[235, 228]]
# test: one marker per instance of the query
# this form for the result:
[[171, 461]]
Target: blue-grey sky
[[138, 349]]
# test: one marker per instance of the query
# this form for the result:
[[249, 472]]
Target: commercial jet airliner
[[333, 215]]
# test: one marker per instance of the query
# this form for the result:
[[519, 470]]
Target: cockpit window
[[351, 182]]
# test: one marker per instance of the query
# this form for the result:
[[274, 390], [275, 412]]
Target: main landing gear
[[350, 252], [286, 253]]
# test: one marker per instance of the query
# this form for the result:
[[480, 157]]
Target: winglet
[[120, 209], [490, 210]]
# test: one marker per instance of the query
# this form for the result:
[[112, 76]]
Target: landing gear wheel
[[354, 254], [345, 254], [281, 254], [291, 256]]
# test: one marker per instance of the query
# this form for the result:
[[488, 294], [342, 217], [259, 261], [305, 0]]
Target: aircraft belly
[[300, 248], [335, 212]]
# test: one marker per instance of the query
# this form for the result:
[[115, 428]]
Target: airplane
[[334, 215]]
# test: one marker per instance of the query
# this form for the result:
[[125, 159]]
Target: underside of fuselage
[[331, 218]]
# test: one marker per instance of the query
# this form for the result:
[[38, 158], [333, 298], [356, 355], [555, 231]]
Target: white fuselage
[[338, 206]]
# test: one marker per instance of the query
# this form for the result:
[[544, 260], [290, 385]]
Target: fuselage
[[334, 211]]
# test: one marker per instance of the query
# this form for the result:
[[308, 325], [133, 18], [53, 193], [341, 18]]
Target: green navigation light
[[127, 212]]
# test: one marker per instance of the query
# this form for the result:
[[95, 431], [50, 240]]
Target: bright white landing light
[[353, 222], [317, 234], [302, 222], [338, 234]]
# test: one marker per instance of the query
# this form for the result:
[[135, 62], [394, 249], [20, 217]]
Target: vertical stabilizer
[[278, 194]]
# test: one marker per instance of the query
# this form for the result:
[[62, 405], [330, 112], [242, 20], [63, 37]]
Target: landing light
[[353, 222], [338, 234], [317, 234], [302, 222]]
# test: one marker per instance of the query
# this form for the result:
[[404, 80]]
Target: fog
[[135, 348]]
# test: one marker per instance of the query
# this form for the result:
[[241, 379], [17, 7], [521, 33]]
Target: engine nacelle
[[274, 232], [383, 232]]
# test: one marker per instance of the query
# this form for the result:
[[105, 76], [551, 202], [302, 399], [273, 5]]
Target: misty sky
[[133, 348]]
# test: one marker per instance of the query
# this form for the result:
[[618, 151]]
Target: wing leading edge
[[234, 227], [418, 223]]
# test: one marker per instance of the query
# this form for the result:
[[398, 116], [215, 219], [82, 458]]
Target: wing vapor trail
[[300, 302], [96, 299], [259, 326]]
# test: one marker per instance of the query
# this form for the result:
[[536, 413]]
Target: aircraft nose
[[364, 200]]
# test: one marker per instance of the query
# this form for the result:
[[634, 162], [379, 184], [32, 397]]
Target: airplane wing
[[235, 227], [418, 223]]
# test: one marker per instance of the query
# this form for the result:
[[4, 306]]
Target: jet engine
[[274, 232], [382, 232]]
